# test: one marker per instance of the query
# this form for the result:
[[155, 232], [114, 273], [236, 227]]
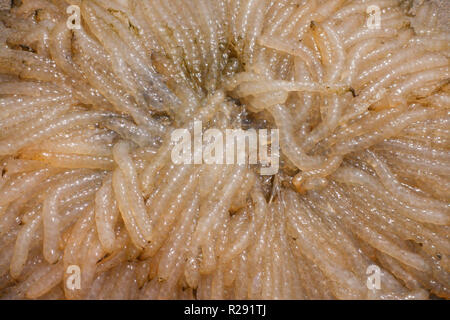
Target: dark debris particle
[[194, 292], [16, 3], [27, 48]]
